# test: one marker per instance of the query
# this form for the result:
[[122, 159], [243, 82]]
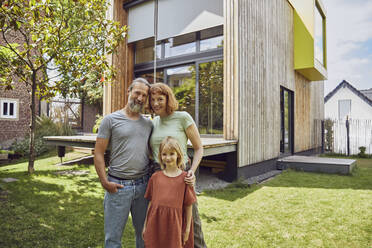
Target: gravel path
[[207, 180]]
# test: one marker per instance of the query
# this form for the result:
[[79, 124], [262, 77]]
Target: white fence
[[360, 134]]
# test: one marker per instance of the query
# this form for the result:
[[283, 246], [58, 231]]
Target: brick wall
[[89, 118], [12, 129]]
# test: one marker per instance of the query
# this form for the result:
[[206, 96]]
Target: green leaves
[[68, 38]]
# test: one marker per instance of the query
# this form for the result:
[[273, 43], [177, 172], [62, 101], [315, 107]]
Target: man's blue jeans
[[117, 207]]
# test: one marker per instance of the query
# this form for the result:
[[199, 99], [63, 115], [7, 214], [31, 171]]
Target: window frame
[[15, 108], [195, 58], [339, 108], [319, 9]]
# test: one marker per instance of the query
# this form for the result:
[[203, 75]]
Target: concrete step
[[316, 164]]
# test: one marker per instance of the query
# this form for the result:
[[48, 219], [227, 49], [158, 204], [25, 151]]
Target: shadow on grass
[[67, 213], [232, 192], [360, 179]]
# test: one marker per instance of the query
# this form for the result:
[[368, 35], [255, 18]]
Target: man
[[126, 132]]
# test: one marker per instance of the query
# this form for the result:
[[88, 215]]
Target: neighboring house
[[250, 70], [15, 114], [345, 100]]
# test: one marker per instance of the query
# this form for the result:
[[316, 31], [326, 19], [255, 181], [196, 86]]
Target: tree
[[67, 39]]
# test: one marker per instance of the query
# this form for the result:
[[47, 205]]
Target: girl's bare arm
[[144, 225], [186, 234]]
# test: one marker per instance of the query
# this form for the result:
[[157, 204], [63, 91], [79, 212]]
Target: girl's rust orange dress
[[165, 217]]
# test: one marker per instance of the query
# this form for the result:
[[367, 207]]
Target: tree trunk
[[32, 126]]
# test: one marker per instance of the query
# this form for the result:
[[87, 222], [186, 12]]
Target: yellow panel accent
[[303, 44], [305, 10], [304, 54], [312, 74]]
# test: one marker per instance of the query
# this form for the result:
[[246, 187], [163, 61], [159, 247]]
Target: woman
[[181, 126]]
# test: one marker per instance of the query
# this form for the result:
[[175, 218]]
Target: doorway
[[286, 122]]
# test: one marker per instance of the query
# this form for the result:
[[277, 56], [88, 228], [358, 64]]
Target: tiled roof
[[367, 93]]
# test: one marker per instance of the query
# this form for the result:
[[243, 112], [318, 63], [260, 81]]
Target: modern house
[[345, 100], [251, 71], [15, 114]]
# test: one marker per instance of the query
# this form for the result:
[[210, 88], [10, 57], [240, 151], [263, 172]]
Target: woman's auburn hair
[[163, 89], [171, 143]]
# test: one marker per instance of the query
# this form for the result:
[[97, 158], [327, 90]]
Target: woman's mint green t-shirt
[[173, 125]]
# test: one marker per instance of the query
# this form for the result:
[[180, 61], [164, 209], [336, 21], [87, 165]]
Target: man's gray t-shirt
[[128, 144]]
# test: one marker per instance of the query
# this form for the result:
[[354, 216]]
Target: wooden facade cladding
[[265, 63], [309, 111], [258, 61], [231, 79], [115, 93]]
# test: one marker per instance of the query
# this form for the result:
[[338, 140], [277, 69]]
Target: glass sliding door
[[210, 79], [182, 81]]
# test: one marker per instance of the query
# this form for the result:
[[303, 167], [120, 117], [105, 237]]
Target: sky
[[349, 43]]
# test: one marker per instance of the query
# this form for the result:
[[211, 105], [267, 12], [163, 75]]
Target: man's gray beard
[[135, 107]]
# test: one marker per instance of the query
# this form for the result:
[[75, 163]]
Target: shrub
[[98, 123], [362, 152], [328, 126], [45, 126], [6, 152]]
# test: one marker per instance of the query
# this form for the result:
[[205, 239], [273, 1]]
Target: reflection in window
[[182, 81], [344, 109], [211, 38], [149, 76], [211, 97], [145, 50], [180, 45], [319, 36]]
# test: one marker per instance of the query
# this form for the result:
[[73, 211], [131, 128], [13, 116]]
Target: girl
[[169, 214], [181, 126]]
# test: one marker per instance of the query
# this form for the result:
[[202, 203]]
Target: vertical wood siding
[[231, 80], [265, 62], [309, 111], [123, 61]]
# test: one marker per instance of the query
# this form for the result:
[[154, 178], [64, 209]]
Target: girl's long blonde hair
[[171, 143]]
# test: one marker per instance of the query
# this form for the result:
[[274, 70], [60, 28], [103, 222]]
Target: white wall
[[360, 110]]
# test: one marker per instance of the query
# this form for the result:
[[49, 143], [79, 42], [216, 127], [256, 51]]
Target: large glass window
[[211, 97], [149, 76], [192, 66], [319, 35], [183, 44], [211, 38], [145, 51], [182, 81]]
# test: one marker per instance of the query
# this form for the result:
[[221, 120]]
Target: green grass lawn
[[295, 209]]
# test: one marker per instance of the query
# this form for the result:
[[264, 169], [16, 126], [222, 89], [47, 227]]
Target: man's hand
[[185, 237], [190, 178], [112, 187]]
